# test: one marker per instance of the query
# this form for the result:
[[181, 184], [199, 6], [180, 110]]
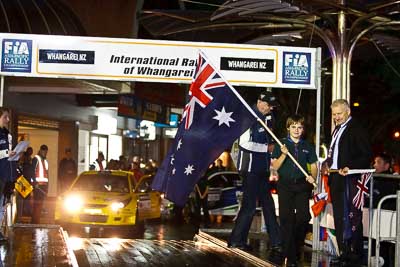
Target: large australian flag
[[213, 118]]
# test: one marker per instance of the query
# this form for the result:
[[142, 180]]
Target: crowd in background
[[134, 164]]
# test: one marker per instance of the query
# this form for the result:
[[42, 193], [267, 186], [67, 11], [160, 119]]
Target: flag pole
[[280, 144]]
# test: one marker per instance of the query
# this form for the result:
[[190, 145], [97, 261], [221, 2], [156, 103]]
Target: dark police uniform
[[253, 165], [294, 192], [6, 167], [6, 171]]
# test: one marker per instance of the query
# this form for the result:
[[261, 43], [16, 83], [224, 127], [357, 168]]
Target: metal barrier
[[378, 224]]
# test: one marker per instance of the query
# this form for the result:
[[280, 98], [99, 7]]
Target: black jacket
[[354, 147]]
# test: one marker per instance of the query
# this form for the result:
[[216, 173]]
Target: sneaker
[[277, 248], [244, 247]]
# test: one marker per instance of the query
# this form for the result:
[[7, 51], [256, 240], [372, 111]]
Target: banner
[[155, 61]]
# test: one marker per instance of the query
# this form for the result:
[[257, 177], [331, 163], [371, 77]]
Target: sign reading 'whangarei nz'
[[156, 60], [247, 64], [66, 56]]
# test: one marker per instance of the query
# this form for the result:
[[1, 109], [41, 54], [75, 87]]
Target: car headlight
[[73, 203], [115, 206]]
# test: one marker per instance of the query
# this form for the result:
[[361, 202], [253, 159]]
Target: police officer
[[253, 165], [6, 167]]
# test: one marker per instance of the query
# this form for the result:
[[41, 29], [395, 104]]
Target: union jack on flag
[[358, 200], [214, 117], [205, 78]]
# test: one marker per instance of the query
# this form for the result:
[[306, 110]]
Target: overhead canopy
[[39, 17], [275, 22], [51, 17]]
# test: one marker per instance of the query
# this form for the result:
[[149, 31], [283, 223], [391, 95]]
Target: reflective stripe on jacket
[[42, 170]]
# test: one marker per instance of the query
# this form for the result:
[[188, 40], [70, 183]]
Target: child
[[293, 188]]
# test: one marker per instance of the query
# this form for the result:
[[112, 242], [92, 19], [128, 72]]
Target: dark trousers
[[24, 205], [255, 186], [202, 203], [294, 216], [39, 195], [347, 218]]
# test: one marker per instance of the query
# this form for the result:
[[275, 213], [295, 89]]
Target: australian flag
[[213, 118]]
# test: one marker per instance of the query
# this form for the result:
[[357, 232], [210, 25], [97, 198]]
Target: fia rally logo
[[296, 67], [16, 55]]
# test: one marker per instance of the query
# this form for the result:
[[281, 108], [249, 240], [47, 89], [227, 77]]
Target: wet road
[[140, 252], [161, 243], [33, 246]]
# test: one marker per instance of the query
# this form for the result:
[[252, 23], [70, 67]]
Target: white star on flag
[[172, 160], [223, 117], [179, 144], [173, 171], [189, 169]]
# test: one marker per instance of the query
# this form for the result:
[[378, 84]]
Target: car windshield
[[102, 183]]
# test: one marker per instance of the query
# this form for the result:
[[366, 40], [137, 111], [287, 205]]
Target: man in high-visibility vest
[[40, 182]]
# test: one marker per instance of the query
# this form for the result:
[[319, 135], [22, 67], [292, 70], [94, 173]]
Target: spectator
[[154, 164], [113, 164], [28, 171], [40, 182], [201, 193], [396, 166], [98, 164], [137, 173], [384, 186], [67, 171], [123, 163], [27, 168], [148, 168]]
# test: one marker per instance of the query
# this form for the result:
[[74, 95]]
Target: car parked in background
[[223, 188], [225, 192], [108, 199]]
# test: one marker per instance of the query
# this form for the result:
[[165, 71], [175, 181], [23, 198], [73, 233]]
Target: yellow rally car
[[107, 198]]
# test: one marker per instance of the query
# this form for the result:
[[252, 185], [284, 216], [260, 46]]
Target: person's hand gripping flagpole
[[290, 155]]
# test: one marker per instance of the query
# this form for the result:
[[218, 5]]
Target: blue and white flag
[[213, 118]]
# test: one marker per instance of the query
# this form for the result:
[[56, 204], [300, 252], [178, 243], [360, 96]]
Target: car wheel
[[137, 230]]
